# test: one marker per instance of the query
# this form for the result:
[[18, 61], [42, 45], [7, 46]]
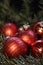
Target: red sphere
[[9, 29], [38, 28], [14, 47], [28, 36], [37, 49]]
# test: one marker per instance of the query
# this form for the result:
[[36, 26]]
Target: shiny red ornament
[[14, 47], [28, 36], [9, 29], [37, 49], [38, 28]]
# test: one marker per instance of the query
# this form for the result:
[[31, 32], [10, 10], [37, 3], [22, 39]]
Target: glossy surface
[[37, 49], [38, 28], [9, 29], [14, 47]]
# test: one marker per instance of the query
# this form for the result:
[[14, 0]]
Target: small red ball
[[37, 49], [27, 36], [14, 47], [9, 29], [38, 28]]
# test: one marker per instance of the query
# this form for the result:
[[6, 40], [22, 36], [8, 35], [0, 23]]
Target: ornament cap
[[26, 26]]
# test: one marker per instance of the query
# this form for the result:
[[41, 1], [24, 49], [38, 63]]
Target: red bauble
[[38, 28], [37, 49], [14, 47], [9, 29], [28, 36]]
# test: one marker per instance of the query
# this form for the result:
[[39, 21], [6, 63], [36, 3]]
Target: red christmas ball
[[27, 36], [9, 29], [14, 47], [38, 28], [37, 49]]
